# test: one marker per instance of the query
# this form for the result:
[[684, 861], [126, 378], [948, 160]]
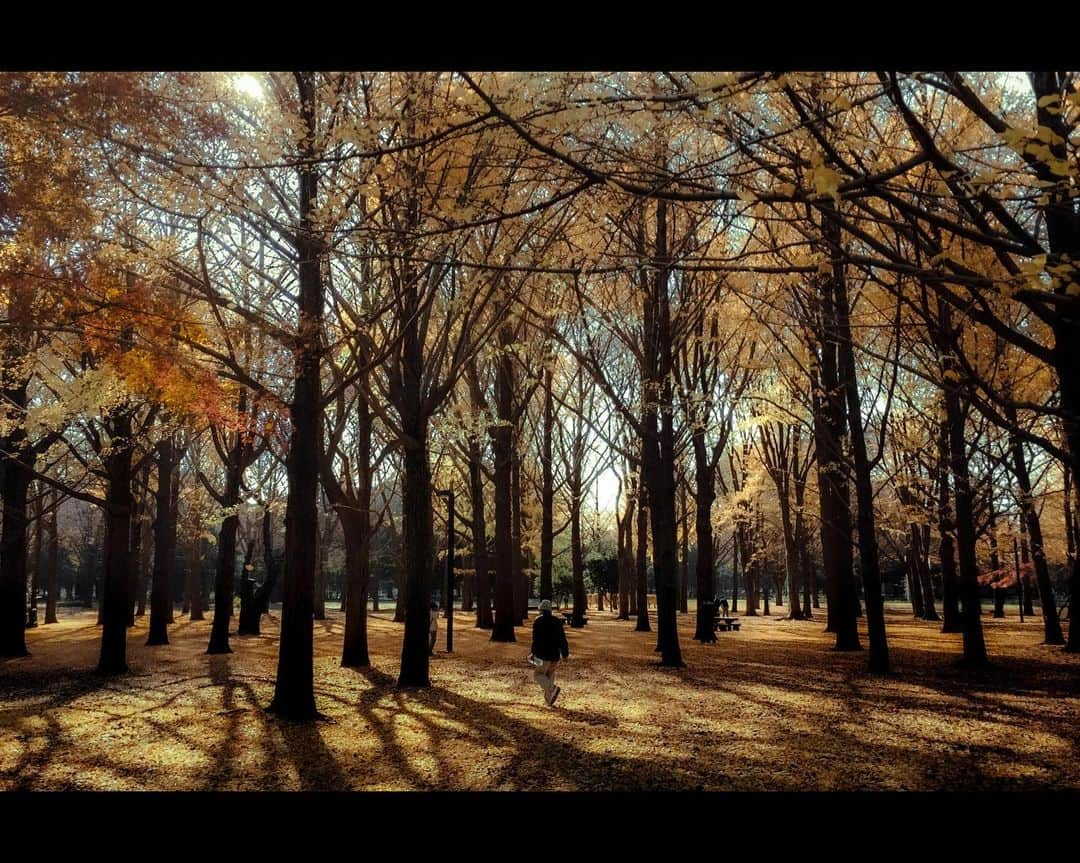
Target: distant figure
[[723, 608], [549, 646], [433, 628]]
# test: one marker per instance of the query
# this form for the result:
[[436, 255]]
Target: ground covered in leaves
[[769, 707]]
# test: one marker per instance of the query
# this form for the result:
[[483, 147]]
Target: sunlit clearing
[[249, 85]]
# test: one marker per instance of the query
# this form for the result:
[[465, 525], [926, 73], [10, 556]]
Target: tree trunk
[[762, 578], [922, 545], [35, 577], [521, 591], [502, 445], [748, 568], [164, 546], [224, 582], [547, 490], [955, 413], [626, 558], [399, 602], [802, 540], [577, 557], [950, 590], [1072, 540], [1051, 625], [418, 540], [144, 556], [249, 621], [258, 604], [735, 571], [914, 590], [641, 583], [781, 476], [658, 455], [117, 581], [200, 600], [52, 561], [830, 421], [294, 693], [1063, 234], [684, 551], [356, 529], [792, 562], [869, 567], [194, 581], [484, 619], [703, 500], [1072, 645], [14, 484], [1070, 522], [135, 544], [1025, 558], [915, 587], [323, 549], [995, 559], [88, 574], [468, 592]]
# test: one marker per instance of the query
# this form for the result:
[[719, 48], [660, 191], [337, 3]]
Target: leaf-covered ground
[[770, 707]]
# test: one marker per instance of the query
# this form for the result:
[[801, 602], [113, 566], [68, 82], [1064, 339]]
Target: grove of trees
[[813, 337]]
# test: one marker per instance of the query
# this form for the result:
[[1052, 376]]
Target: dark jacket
[[549, 639]]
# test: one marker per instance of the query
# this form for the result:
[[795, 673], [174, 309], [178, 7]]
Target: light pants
[[432, 635], [545, 676]]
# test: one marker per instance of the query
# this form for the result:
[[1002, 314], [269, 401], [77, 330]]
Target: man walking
[[549, 646]]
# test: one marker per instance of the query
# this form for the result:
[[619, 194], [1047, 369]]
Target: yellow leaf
[[1014, 137], [1035, 265], [826, 181], [1045, 133]]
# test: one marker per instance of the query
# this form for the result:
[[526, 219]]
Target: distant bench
[[726, 623], [568, 616]]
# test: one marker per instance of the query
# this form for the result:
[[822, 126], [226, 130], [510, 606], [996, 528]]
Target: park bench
[[726, 623], [568, 616]]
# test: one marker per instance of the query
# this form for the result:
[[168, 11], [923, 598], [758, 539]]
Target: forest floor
[[768, 707]]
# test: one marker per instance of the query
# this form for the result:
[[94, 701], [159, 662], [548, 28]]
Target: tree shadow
[[538, 758], [743, 719], [280, 741]]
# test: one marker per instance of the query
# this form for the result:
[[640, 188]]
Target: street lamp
[[449, 592]]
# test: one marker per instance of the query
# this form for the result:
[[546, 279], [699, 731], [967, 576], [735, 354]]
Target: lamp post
[[449, 592]]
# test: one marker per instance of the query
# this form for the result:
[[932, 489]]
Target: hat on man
[[545, 605]]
